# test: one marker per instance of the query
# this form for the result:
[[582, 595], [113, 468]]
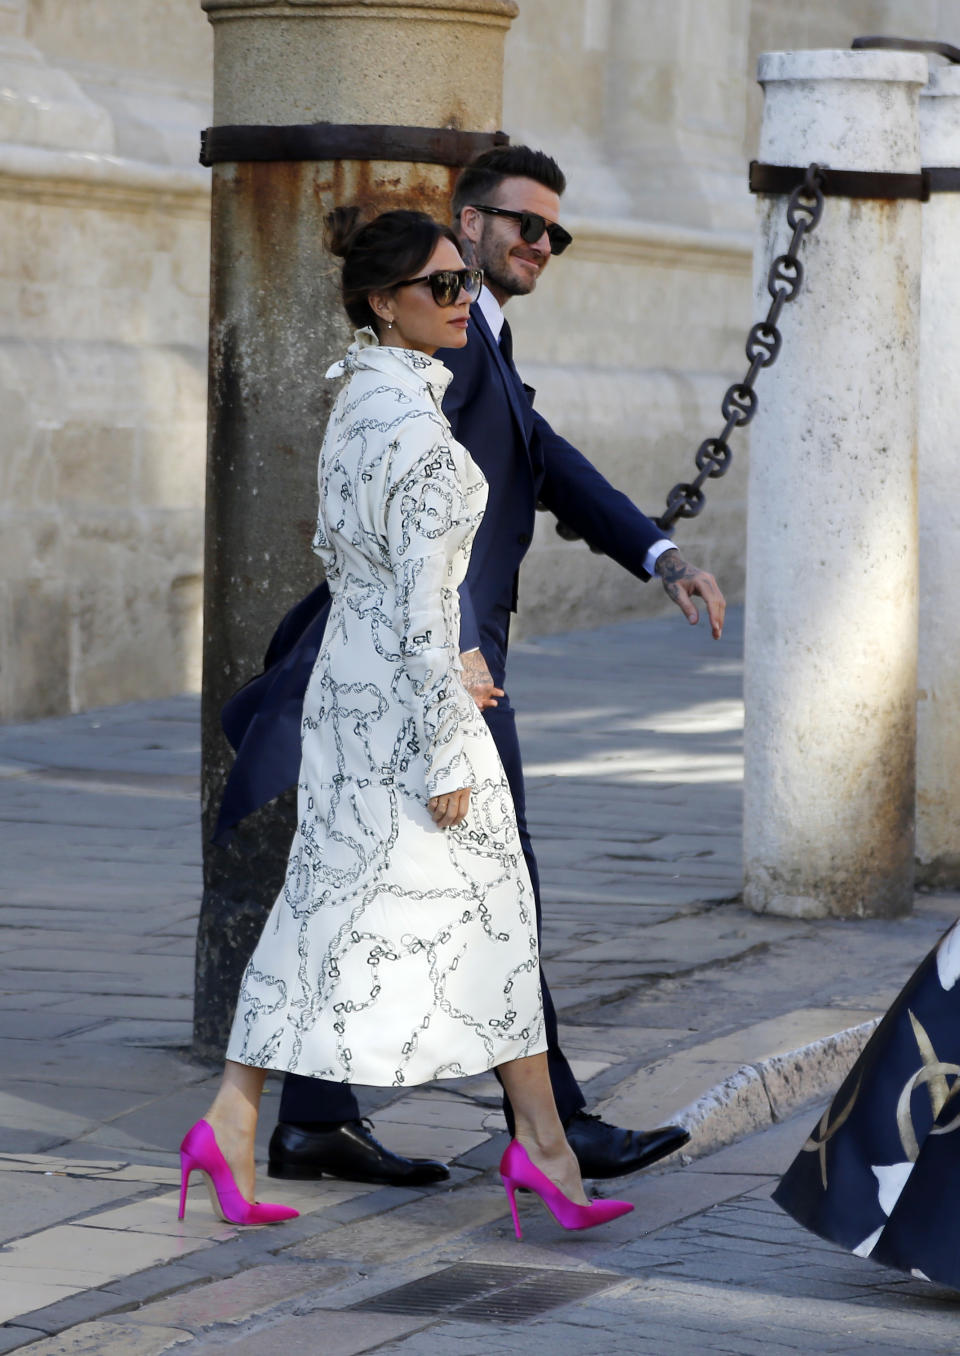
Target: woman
[[878, 1173], [402, 947]]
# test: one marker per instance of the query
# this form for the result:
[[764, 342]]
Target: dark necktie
[[506, 344]]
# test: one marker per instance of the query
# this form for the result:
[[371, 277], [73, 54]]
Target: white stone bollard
[[831, 609], [938, 679]]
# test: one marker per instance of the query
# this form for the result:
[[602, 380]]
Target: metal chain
[[764, 341]]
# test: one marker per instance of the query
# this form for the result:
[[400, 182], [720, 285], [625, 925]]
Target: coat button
[[523, 539]]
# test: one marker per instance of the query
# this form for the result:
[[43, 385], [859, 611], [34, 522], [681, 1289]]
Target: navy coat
[[491, 412]]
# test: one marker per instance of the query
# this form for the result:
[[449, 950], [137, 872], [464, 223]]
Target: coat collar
[[406, 365]]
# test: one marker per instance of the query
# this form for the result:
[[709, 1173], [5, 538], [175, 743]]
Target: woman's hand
[[450, 808]]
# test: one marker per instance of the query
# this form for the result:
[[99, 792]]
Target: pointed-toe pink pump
[[200, 1152], [516, 1170]]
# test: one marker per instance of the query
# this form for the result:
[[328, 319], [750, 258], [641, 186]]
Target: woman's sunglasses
[[447, 284], [532, 226]]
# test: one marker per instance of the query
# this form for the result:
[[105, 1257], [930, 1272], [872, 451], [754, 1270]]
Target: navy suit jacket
[[491, 412]]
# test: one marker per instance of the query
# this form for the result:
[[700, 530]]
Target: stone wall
[[653, 109], [639, 328], [104, 225], [631, 338]]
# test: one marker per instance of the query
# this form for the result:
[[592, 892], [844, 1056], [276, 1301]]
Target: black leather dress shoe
[[607, 1151], [348, 1150]]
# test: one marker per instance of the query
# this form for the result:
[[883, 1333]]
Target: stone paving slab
[[111, 1339], [334, 1330], [423, 1225], [718, 1268], [710, 1265], [666, 987], [239, 1297], [49, 1198]]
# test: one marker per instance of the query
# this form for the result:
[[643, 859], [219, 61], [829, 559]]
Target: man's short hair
[[484, 175]]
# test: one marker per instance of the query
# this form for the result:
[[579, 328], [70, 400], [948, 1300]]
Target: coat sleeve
[[580, 496], [465, 365], [426, 519], [469, 626]]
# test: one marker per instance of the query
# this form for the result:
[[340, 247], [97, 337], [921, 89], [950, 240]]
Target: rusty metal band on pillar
[[856, 183], [944, 49], [840, 183], [942, 180], [346, 141]]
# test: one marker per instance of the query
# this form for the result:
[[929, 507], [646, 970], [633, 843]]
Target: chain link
[[764, 342]]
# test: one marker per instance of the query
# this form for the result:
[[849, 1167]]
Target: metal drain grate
[[490, 1294]]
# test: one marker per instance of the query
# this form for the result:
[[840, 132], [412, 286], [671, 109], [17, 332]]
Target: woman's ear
[[381, 307]]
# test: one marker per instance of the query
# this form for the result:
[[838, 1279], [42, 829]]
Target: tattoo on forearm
[[475, 671], [681, 580], [673, 569]]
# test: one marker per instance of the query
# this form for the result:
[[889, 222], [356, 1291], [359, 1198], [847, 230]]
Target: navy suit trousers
[[307, 1100]]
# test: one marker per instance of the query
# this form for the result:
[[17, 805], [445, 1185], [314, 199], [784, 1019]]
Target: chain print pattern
[[396, 952]]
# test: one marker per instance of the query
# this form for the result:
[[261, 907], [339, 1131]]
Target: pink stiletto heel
[[516, 1170], [200, 1152]]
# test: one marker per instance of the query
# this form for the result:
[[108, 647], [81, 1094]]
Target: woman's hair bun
[[379, 252], [341, 227]]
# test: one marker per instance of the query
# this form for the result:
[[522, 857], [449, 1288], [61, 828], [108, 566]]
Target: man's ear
[[471, 224]]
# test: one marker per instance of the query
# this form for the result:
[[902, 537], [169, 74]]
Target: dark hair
[[379, 253], [484, 175]]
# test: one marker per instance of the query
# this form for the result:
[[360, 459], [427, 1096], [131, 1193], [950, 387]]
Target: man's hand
[[450, 808], [682, 581], [477, 679]]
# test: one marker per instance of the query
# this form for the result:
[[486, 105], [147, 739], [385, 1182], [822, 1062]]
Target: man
[[505, 208]]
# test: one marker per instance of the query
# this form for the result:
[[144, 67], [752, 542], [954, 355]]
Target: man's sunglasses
[[532, 226], [447, 284]]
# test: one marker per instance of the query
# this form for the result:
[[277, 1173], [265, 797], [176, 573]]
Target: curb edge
[[767, 1091]]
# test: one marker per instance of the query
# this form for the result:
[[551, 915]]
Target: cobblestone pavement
[[666, 987]]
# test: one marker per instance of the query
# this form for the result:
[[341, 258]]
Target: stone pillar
[[275, 327], [831, 611], [938, 679]]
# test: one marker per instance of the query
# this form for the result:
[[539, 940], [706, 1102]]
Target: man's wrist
[[658, 549]]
